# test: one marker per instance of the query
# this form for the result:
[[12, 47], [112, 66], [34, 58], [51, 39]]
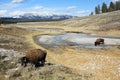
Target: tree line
[[104, 8], [7, 22]]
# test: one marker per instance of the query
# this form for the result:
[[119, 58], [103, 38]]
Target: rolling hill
[[104, 24], [103, 21]]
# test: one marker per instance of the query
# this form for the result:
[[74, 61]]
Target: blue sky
[[49, 7]]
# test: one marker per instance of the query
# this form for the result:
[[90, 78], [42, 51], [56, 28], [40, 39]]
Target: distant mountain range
[[30, 17]]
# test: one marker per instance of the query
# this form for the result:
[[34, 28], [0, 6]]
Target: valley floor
[[101, 64]]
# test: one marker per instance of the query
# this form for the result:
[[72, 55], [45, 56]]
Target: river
[[74, 39]]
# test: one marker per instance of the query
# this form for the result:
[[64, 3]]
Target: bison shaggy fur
[[99, 41], [34, 56]]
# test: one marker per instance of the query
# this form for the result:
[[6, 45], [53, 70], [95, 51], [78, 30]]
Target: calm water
[[73, 39]]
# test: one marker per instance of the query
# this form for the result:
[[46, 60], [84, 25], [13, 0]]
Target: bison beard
[[34, 56]]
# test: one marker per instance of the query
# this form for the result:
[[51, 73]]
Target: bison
[[34, 56], [99, 41]]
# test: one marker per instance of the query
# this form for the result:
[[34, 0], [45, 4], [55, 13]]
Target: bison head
[[24, 61]]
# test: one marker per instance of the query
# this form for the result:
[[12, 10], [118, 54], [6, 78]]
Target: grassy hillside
[[104, 21], [107, 23]]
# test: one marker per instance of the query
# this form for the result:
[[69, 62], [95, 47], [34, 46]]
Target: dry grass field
[[103, 64]]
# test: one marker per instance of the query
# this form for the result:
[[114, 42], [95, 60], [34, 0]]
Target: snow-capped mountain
[[32, 17], [49, 17]]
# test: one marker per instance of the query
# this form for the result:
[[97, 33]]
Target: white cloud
[[16, 13], [42, 10], [71, 7], [115, 0], [82, 11], [3, 12], [17, 1], [37, 7]]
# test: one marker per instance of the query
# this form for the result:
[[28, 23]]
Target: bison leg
[[99, 43], [103, 42], [37, 64], [42, 62], [24, 64]]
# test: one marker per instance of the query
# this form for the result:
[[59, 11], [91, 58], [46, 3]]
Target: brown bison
[[34, 56], [99, 41]]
